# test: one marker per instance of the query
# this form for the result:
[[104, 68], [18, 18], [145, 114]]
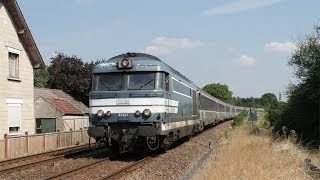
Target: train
[[139, 101]]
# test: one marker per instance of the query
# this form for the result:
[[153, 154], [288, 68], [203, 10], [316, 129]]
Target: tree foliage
[[219, 91], [238, 120], [265, 101], [72, 75], [274, 112], [41, 78], [223, 93], [268, 100], [302, 111], [249, 102]]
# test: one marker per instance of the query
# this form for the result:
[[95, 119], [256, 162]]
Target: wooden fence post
[[44, 141], [5, 145], [58, 138], [71, 136], [27, 141], [81, 131]]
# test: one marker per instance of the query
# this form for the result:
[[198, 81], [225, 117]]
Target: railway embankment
[[251, 153], [179, 161]]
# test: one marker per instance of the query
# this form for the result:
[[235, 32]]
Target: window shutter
[[14, 115]]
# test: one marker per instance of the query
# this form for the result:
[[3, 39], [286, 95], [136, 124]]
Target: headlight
[[146, 113], [125, 62], [108, 114], [100, 113], [137, 113]]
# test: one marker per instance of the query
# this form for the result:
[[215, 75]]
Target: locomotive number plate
[[123, 115]]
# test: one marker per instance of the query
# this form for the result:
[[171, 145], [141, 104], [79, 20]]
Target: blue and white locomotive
[[137, 99]]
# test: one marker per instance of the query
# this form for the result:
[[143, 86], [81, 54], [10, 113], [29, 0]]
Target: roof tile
[[65, 106]]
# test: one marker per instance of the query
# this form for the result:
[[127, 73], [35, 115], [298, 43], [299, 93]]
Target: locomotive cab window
[[144, 81], [108, 82], [129, 81]]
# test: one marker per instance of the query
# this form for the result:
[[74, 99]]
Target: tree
[[268, 99], [72, 75], [41, 78], [219, 91], [302, 111]]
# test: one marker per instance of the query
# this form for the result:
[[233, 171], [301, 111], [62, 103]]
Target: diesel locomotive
[[138, 100]]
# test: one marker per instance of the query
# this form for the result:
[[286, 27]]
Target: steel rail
[[75, 170], [55, 158], [125, 169], [23, 158]]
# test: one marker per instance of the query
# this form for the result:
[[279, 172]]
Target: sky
[[245, 44]]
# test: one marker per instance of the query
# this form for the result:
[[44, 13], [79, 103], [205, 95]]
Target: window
[[207, 103], [13, 65], [108, 82], [227, 109], [128, 81], [179, 87], [14, 115], [144, 81], [45, 125], [221, 108], [14, 118]]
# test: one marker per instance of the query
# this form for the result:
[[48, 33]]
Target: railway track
[[12, 165], [74, 171], [126, 169], [85, 168]]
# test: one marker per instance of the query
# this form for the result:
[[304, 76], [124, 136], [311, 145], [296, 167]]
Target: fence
[[15, 146]]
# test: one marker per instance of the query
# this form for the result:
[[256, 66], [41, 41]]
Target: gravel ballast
[[182, 161]]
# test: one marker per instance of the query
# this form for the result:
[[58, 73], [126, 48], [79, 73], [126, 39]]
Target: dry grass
[[249, 156]]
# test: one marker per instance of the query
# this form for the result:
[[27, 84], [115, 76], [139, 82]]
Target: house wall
[[75, 122], [44, 109], [22, 89]]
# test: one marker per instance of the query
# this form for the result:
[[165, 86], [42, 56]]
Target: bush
[[274, 113], [240, 118]]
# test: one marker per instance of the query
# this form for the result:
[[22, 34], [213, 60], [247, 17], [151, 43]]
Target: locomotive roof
[[130, 55], [146, 57], [143, 56]]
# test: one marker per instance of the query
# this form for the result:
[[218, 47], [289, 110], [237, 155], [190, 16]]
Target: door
[[194, 103], [167, 82]]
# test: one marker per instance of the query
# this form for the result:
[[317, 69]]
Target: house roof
[[63, 101], [24, 33], [65, 106]]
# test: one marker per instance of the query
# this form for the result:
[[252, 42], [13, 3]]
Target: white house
[[19, 56]]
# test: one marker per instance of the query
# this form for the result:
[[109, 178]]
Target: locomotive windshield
[[141, 81], [108, 82], [128, 81]]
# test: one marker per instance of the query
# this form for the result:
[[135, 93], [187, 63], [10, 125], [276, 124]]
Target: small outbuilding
[[57, 110]]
